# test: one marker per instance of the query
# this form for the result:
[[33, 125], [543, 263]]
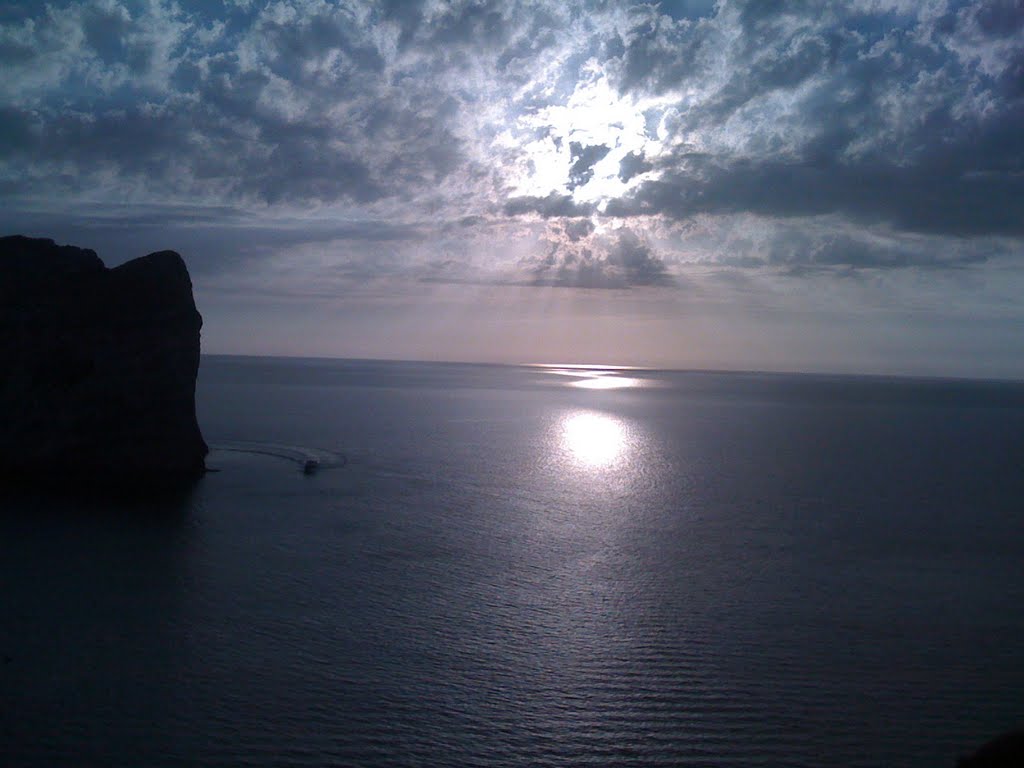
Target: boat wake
[[308, 459]]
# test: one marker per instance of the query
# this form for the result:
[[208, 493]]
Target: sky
[[763, 185]]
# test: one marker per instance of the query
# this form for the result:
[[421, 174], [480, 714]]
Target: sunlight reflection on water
[[605, 381], [593, 439], [598, 377]]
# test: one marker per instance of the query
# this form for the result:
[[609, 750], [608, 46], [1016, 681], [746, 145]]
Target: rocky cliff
[[97, 367], [1006, 751]]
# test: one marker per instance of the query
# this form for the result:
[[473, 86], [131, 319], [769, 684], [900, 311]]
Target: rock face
[[1006, 751], [97, 367]]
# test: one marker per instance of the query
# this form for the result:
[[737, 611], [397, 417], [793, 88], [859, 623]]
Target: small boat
[[311, 466]]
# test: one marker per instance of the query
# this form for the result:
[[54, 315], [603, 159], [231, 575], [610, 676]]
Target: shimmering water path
[[534, 566]]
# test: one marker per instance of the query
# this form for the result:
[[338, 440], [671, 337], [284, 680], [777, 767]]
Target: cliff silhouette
[[1005, 751], [99, 366]]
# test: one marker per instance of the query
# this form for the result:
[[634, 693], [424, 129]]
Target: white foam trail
[[298, 454]]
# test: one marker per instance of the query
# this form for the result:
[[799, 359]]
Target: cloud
[[633, 164], [829, 243], [923, 199], [687, 128], [580, 257], [583, 160], [292, 107], [554, 205]]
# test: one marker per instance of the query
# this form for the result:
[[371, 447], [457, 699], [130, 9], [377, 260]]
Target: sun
[[549, 141]]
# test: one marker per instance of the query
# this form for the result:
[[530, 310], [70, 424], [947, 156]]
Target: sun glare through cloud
[[581, 143]]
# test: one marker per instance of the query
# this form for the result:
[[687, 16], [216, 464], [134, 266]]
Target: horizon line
[[605, 367]]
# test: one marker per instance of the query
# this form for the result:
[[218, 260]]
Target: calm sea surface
[[534, 566]]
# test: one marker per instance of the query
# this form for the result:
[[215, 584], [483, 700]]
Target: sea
[[424, 564]]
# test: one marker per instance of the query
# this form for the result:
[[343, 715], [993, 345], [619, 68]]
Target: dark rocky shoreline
[[97, 388], [1005, 751]]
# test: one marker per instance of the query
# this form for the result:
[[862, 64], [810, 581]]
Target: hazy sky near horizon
[[774, 185]]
